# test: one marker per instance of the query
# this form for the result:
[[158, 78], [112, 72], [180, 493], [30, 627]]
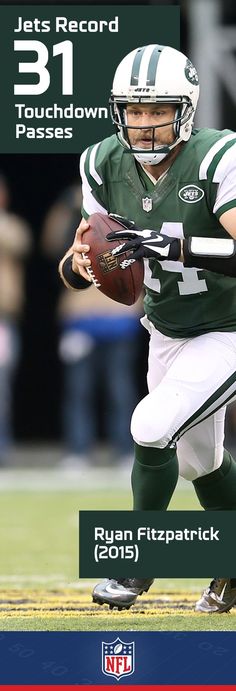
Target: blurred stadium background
[[39, 500]]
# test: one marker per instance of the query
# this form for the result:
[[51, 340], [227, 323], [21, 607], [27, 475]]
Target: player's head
[[150, 75]]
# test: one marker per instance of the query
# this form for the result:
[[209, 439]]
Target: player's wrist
[[71, 277], [213, 254], [202, 249]]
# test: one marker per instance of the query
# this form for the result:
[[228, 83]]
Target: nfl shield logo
[[118, 658], [147, 204]]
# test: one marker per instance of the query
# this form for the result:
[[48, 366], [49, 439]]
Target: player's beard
[[146, 141]]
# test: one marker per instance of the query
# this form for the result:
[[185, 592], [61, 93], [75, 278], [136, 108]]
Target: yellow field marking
[[69, 603]]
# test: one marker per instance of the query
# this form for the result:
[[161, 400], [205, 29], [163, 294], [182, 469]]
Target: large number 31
[[190, 282], [65, 48]]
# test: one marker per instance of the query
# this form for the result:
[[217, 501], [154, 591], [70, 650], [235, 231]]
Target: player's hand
[[80, 261], [145, 244]]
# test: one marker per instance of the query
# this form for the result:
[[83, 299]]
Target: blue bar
[[60, 658]]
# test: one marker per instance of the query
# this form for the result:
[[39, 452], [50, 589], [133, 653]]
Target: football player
[[178, 185]]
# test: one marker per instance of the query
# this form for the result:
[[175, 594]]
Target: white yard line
[[58, 579], [54, 480]]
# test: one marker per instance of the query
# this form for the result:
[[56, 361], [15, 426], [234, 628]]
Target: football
[[118, 648], [121, 285]]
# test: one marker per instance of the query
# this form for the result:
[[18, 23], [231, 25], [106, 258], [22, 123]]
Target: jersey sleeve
[[219, 167], [92, 183], [226, 193]]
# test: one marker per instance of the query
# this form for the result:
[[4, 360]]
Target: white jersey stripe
[[226, 164], [225, 196], [82, 163], [92, 168], [211, 153], [90, 204], [225, 174]]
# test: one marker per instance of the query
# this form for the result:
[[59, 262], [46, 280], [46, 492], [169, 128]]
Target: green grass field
[[39, 586]]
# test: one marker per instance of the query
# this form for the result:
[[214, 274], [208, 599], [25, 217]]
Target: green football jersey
[[186, 201]]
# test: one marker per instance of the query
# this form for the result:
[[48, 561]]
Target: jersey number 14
[[190, 282]]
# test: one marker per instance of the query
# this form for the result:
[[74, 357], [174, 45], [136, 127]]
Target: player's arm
[[220, 255], [72, 267]]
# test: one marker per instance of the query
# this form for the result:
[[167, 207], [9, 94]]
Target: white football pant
[[189, 381]]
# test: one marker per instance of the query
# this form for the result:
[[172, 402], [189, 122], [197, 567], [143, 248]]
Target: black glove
[[143, 243]]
